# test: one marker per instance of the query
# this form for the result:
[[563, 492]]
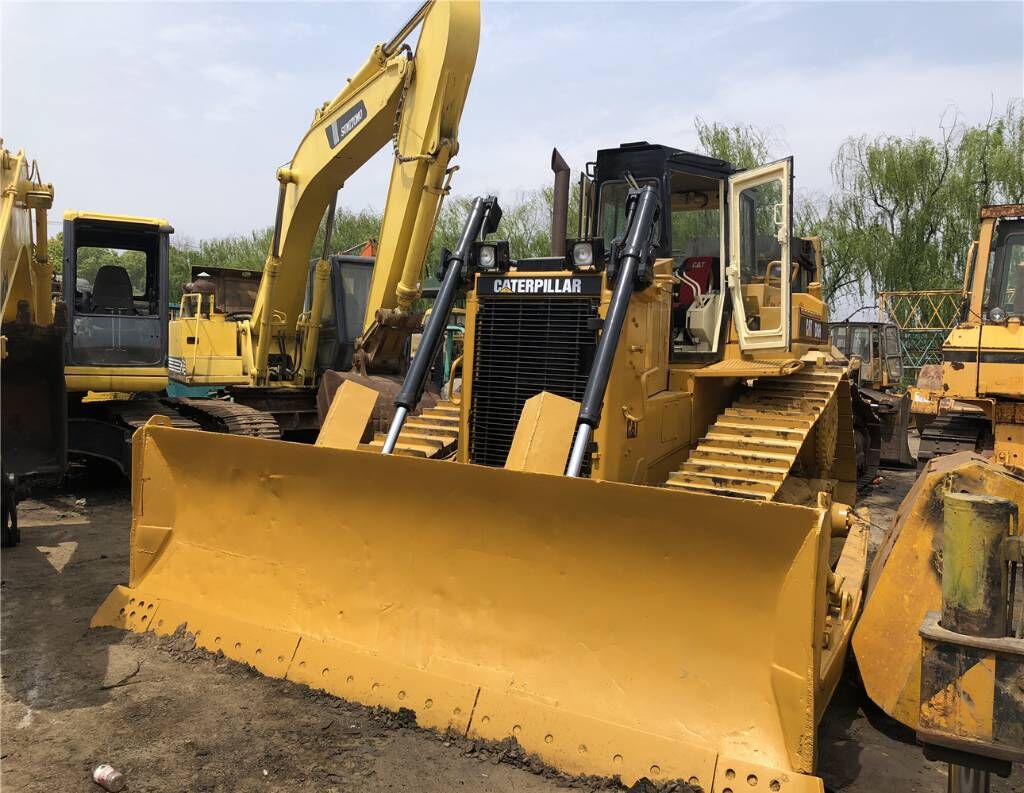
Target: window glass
[[760, 208], [860, 343], [612, 209], [839, 337], [1013, 295], [355, 281], [892, 341], [90, 260], [117, 340]]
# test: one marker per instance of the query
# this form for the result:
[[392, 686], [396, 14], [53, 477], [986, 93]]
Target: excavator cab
[[341, 322], [116, 291]]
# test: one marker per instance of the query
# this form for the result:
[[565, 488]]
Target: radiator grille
[[524, 346]]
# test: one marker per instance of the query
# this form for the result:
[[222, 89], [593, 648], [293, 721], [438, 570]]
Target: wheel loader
[[877, 363], [640, 563], [33, 431], [975, 405]]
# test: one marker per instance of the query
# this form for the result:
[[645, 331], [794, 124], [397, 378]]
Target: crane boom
[[413, 99]]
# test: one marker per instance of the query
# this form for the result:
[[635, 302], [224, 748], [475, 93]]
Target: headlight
[[997, 314], [490, 257], [486, 257], [583, 254]]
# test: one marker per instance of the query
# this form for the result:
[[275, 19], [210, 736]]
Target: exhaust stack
[[560, 204]]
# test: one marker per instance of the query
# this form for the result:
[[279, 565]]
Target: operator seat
[[112, 291], [698, 274]]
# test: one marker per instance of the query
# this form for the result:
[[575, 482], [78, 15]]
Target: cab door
[[760, 267]]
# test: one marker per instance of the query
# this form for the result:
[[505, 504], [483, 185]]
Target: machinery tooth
[[733, 473], [796, 420], [743, 490], [755, 431], [742, 461], [722, 439]]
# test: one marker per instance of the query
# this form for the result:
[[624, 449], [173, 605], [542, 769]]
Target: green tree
[[905, 208]]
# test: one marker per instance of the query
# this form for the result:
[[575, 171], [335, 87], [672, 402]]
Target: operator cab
[[877, 345], [344, 308], [115, 287], [696, 195]]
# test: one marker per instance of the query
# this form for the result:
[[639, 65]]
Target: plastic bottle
[[109, 778]]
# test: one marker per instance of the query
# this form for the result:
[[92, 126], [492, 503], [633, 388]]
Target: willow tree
[[905, 208]]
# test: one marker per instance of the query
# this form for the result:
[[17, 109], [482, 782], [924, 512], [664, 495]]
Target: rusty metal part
[[559, 204], [904, 583]]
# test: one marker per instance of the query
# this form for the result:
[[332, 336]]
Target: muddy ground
[[175, 719]]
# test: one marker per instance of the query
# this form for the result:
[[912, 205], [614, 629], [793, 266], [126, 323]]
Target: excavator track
[[753, 445], [433, 432], [217, 415], [953, 433]]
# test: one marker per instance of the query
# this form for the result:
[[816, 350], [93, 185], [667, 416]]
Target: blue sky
[[186, 110]]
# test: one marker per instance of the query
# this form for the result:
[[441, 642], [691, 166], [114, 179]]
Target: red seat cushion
[[699, 269]]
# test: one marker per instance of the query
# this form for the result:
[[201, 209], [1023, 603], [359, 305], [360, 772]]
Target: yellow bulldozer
[[974, 400], [962, 695], [639, 563], [877, 362], [33, 432]]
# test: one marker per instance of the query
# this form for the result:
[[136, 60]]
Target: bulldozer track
[[217, 415], [752, 446], [136, 412], [950, 434], [433, 432]]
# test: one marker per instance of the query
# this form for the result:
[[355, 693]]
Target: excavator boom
[[414, 101]]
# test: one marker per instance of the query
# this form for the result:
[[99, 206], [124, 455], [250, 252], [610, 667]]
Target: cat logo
[[569, 286]]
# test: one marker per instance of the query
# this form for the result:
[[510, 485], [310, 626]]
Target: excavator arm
[[414, 100]]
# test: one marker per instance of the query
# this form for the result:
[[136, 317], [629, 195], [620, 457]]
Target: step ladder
[[433, 432]]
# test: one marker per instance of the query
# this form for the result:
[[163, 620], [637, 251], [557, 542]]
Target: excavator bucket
[[905, 581], [34, 415], [610, 629]]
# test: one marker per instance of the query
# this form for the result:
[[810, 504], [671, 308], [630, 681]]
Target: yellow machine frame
[[982, 371]]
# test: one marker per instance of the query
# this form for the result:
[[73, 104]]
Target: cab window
[[612, 208]]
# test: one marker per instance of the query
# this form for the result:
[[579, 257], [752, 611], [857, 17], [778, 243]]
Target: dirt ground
[[172, 718]]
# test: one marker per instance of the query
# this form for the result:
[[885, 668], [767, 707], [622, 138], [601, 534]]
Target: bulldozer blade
[[894, 415], [610, 629], [905, 581]]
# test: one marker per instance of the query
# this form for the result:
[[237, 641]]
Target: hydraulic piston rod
[[483, 217], [634, 250]]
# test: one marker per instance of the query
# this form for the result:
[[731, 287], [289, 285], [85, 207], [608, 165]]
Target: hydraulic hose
[[480, 217], [635, 248]]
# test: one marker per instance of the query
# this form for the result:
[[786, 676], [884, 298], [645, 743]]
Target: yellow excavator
[[272, 360], [33, 432], [640, 563], [972, 482]]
